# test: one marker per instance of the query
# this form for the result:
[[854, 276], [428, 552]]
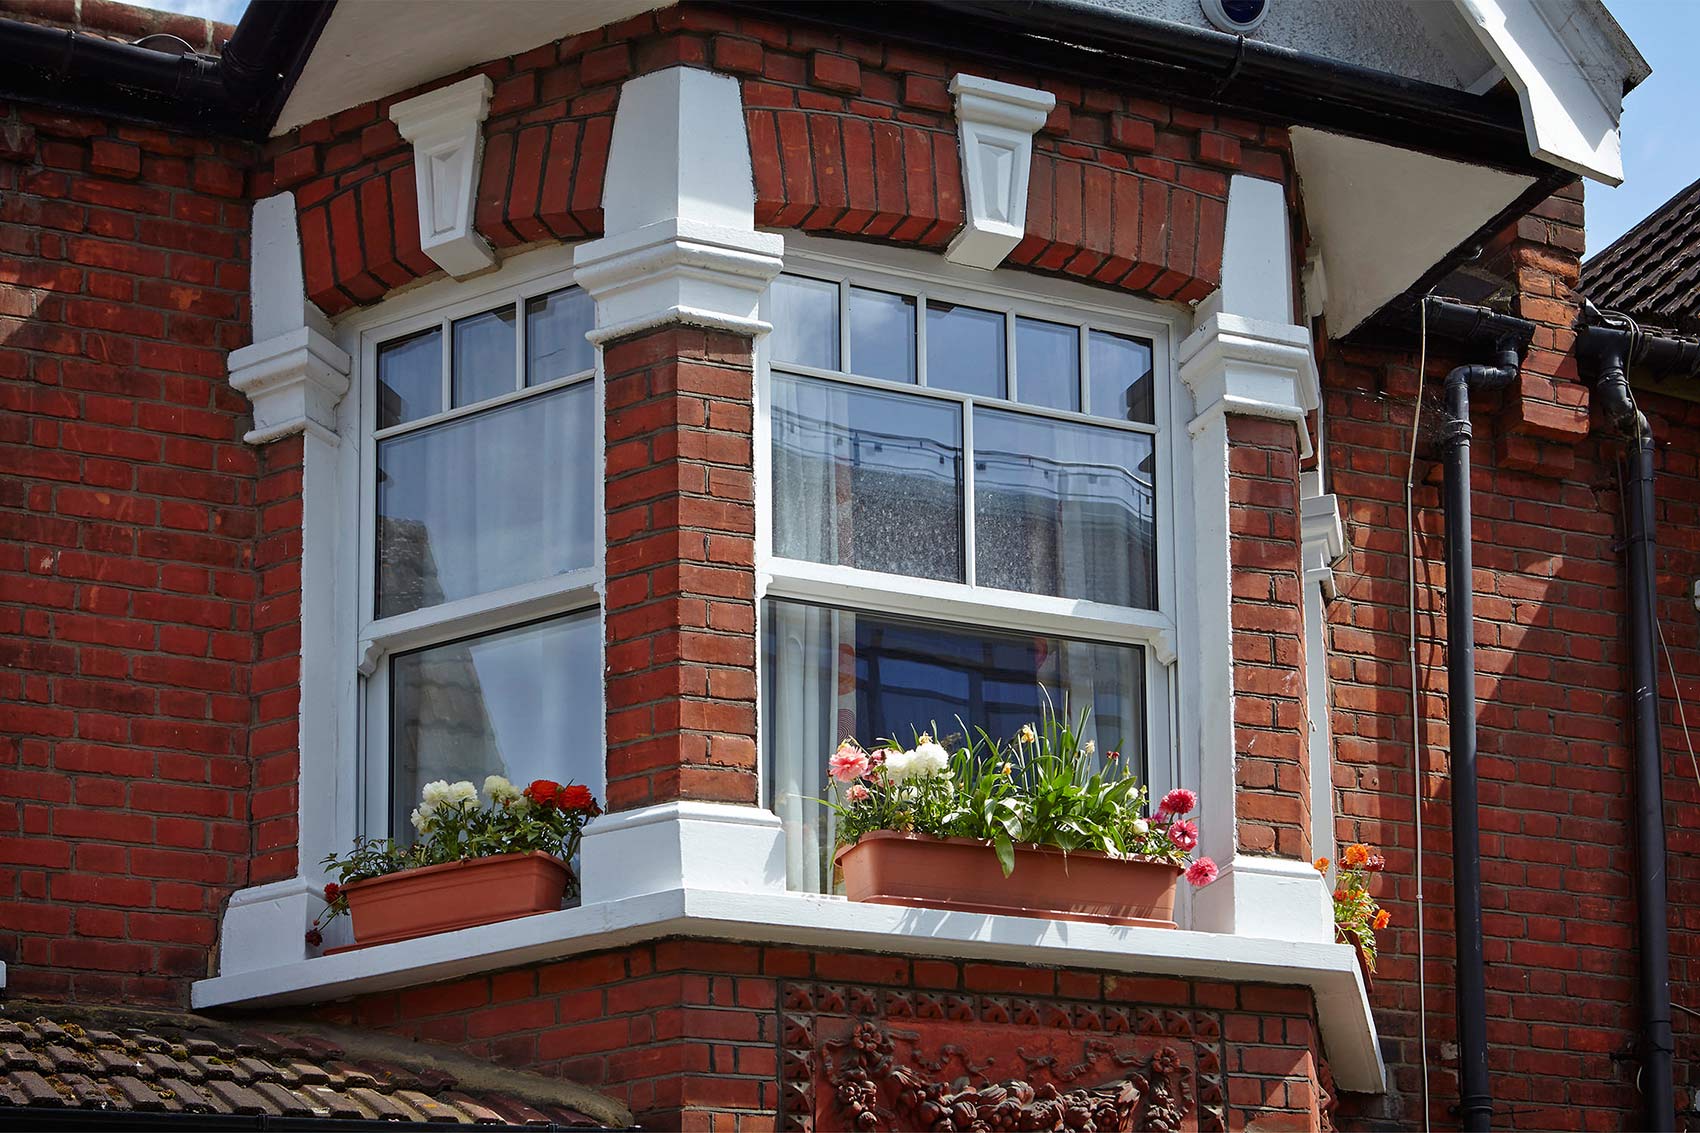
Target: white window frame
[[370, 642], [1171, 753]]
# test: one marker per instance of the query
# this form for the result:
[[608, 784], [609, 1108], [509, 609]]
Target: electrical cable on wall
[[1416, 698]]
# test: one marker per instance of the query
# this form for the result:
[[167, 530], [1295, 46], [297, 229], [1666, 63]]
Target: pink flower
[[1202, 872], [849, 763], [857, 793], [1178, 802], [1184, 835]]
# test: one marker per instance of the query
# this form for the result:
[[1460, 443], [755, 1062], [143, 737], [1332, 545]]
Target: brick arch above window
[[848, 138]]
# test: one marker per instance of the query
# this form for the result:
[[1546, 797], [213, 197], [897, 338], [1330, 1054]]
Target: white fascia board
[[815, 921], [1568, 77]]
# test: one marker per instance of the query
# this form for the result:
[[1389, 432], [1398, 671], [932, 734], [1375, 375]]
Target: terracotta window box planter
[[963, 875], [442, 898]]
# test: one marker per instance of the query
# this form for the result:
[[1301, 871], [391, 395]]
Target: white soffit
[[373, 48], [1570, 64], [1382, 216]]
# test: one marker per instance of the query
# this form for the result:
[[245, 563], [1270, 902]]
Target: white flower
[[423, 815], [900, 765], [1141, 827], [930, 759], [1028, 735], [462, 793], [499, 790], [1089, 747], [436, 793]]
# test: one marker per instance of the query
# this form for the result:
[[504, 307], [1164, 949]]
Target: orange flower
[[1340, 894], [1356, 856], [575, 797], [1321, 865], [1381, 919], [542, 792]]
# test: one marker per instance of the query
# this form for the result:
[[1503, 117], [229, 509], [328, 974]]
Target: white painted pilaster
[[296, 378], [680, 246], [1245, 357], [446, 128], [995, 124]]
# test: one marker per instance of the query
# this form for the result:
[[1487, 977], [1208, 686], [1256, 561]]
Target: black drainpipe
[[1608, 345], [1505, 337]]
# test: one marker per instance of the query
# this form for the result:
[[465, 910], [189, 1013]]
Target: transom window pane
[[965, 349], [555, 329], [410, 378], [882, 335], [483, 357], [515, 703], [486, 501], [828, 673], [1047, 364], [1063, 508], [1121, 377], [867, 479], [805, 322]]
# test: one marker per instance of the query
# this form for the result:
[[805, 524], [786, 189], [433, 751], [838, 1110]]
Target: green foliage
[[1042, 787]]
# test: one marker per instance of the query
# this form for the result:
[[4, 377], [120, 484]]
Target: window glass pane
[[965, 349], [410, 378], [486, 501], [555, 326], [867, 479], [1047, 364], [829, 673], [805, 322], [1064, 509], [1121, 378], [484, 357], [517, 703], [882, 335]]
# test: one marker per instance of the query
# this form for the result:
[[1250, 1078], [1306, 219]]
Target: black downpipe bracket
[[1505, 337], [1608, 345]]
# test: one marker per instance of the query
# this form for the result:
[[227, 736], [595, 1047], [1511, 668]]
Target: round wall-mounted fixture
[[1236, 17]]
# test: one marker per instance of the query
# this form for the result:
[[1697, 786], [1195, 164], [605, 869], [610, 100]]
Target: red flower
[[332, 892], [543, 792], [314, 937], [1178, 802], [577, 798], [1184, 835]]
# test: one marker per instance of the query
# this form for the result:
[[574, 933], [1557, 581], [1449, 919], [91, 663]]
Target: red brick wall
[[1557, 836], [706, 1035], [129, 522], [1271, 736], [849, 137], [681, 523]]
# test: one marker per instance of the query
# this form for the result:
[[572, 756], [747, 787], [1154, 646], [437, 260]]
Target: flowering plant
[[1044, 787], [1357, 917], [453, 826]]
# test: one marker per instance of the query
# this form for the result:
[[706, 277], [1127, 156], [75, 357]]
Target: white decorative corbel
[[1323, 536], [293, 373], [678, 202], [444, 126], [995, 123]]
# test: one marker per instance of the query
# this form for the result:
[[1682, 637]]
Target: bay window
[[481, 644], [963, 500]]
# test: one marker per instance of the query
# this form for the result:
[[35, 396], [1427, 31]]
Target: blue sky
[[1659, 155]]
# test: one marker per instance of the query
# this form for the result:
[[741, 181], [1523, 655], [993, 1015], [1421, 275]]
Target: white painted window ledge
[[807, 920]]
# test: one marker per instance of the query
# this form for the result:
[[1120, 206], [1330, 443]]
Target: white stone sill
[[796, 919]]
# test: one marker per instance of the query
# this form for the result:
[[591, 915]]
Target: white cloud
[[224, 11]]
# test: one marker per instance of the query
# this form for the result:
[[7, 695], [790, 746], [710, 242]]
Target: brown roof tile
[[1652, 272], [119, 1059]]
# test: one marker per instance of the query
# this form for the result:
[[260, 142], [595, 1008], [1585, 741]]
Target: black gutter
[[1210, 68], [1608, 345], [236, 95], [1505, 338]]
